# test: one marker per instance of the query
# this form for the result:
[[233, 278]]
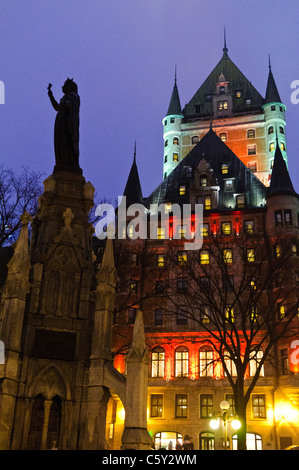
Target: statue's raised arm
[[66, 131]]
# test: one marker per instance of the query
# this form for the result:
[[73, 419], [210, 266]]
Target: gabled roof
[[174, 107], [215, 153], [280, 179], [133, 191], [272, 95], [237, 81]]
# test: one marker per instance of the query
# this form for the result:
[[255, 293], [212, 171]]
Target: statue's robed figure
[[66, 131]]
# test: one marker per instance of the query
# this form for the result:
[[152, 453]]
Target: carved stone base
[[137, 439]]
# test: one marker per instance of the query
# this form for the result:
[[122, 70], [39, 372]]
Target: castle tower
[[172, 132], [275, 123]]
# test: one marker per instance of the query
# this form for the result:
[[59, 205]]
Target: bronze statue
[[66, 131]]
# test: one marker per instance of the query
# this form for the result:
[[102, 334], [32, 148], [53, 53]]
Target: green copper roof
[[202, 106]]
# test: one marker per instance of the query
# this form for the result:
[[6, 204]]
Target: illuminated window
[[252, 284], [230, 365], [158, 362], [229, 314], [204, 257], [224, 169], [251, 149], [240, 201], [181, 361], [254, 315], [158, 317], [226, 228], [282, 146], [231, 400], [258, 406], [206, 405], [167, 207], [287, 217], [207, 441], [225, 104], [223, 137], [182, 231], [228, 255], [205, 362], [272, 147], [175, 157], [161, 233], [175, 141], [254, 361], [251, 134], [238, 94], [270, 130], [181, 406], [203, 180], [277, 251], [205, 314], [284, 361], [252, 166], [160, 260], [250, 254], [182, 190], [204, 230], [156, 406], [282, 311], [182, 258], [207, 203], [278, 218]]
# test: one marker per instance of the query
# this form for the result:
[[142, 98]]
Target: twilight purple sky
[[122, 55]]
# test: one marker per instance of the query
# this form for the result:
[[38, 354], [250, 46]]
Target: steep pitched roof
[[280, 179], [272, 95], [174, 104], [215, 153], [237, 81], [133, 191]]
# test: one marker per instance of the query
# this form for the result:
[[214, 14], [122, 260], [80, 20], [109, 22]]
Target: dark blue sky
[[122, 54]]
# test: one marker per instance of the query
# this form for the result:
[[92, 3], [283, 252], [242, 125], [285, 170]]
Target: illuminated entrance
[[168, 440], [253, 442]]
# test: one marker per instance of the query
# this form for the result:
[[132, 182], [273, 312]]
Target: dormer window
[[222, 136], [203, 180], [222, 90], [238, 94], [224, 169], [182, 190]]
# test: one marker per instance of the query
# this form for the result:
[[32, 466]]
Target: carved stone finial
[[68, 216]]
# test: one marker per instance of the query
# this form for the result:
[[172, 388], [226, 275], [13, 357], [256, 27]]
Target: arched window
[[207, 441], [270, 130], [206, 362], [253, 441], [168, 440], [230, 365], [175, 141], [158, 362], [54, 423], [281, 129], [223, 136], [36, 424], [255, 358], [181, 361]]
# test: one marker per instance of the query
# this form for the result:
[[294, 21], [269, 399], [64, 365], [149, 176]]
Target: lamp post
[[235, 423]]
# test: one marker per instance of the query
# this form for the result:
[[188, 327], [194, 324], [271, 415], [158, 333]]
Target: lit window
[[252, 284], [278, 218], [220, 105], [272, 147], [254, 360], [205, 314], [205, 362], [175, 157], [182, 258], [284, 361], [181, 361], [160, 260], [270, 130], [229, 314], [238, 94], [182, 190], [223, 137], [251, 149], [133, 286], [167, 207], [251, 134], [228, 256], [158, 362], [230, 365], [207, 203], [254, 315], [225, 104], [226, 228], [204, 230], [250, 255], [203, 180], [156, 406], [182, 231], [240, 201], [224, 169], [282, 146], [204, 257], [252, 166], [288, 217], [277, 251], [161, 233], [175, 141], [282, 312], [181, 406]]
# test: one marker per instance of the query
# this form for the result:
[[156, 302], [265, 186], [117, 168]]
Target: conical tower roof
[[272, 95], [174, 104], [280, 179], [133, 191]]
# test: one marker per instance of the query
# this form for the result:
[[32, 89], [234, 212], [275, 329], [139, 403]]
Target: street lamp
[[215, 422]]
